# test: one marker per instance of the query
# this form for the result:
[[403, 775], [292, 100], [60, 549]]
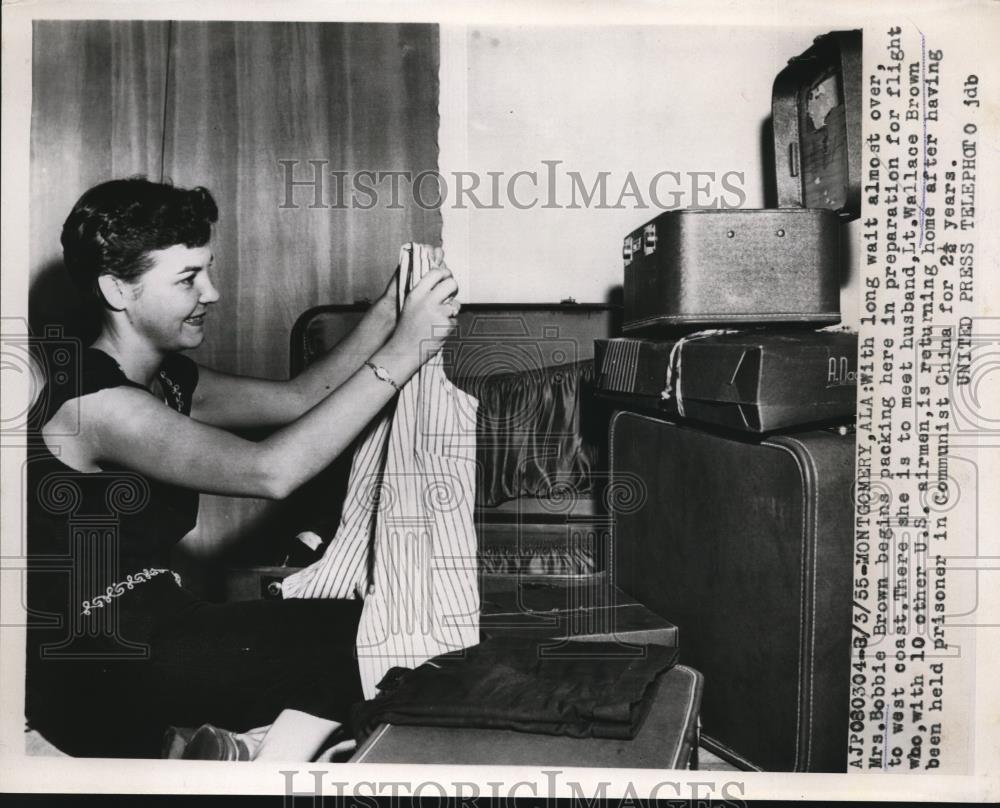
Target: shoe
[[175, 739], [205, 743]]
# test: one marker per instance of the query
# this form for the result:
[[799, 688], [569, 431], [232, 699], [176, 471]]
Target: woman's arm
[[133, 429], [231, 401], [161, 443]]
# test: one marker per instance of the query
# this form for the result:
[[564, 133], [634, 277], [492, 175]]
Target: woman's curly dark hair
[[115, 225]]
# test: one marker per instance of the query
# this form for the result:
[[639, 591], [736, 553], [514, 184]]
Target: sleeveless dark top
[[99, 538], [117, 649]]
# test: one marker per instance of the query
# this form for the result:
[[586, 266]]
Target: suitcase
[[522, 501], [746, 545], [667, 739], [572, 607], [544, 561], [489, 337], [710, 267], [752, 381]]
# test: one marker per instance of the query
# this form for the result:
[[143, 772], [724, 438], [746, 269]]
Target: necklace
[[171, 392]]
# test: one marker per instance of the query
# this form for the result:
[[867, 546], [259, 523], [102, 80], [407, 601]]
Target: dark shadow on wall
[[54, 302], [768, 166], [847, 256], [616, 297]]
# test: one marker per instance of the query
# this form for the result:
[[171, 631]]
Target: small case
[[692, 268]]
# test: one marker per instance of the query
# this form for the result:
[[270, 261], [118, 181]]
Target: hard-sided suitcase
[[753, 381], [544, 560], [702, 267], [523, 455], [746, 545], [571, 607]]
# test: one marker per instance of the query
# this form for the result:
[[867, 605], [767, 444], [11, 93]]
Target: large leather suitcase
[[705, 267], [752, 381], [544, 559], [541, 447], [746, 545]]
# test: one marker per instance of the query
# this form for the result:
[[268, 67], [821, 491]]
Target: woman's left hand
[[385, 307]]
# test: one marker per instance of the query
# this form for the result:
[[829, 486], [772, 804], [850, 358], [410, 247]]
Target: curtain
[[96, 113], [219, 104]]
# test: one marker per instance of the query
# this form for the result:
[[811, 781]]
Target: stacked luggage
[[735, 400]]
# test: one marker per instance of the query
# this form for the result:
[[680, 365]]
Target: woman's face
[[169, 301]]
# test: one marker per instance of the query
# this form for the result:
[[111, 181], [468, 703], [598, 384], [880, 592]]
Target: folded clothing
[[579, 689]]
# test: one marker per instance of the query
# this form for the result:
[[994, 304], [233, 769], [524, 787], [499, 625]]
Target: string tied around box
[[672, 388]]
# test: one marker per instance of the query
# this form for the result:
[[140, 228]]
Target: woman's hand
[[428, 315], [384, 309]]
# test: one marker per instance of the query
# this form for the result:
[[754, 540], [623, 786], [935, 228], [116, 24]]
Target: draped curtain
[[222, 104]]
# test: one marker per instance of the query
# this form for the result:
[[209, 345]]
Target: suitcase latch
[[649, 239]]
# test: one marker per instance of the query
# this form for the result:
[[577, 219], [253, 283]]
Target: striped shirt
[[406, 542]]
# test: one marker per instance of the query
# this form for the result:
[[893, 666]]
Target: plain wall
[[629, 98]]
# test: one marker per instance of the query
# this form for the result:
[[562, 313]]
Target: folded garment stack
[[579, 689]]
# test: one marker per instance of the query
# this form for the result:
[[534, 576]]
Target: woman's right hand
[[428, 315]]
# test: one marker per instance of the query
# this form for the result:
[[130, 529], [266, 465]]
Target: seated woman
[[118, 650]]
